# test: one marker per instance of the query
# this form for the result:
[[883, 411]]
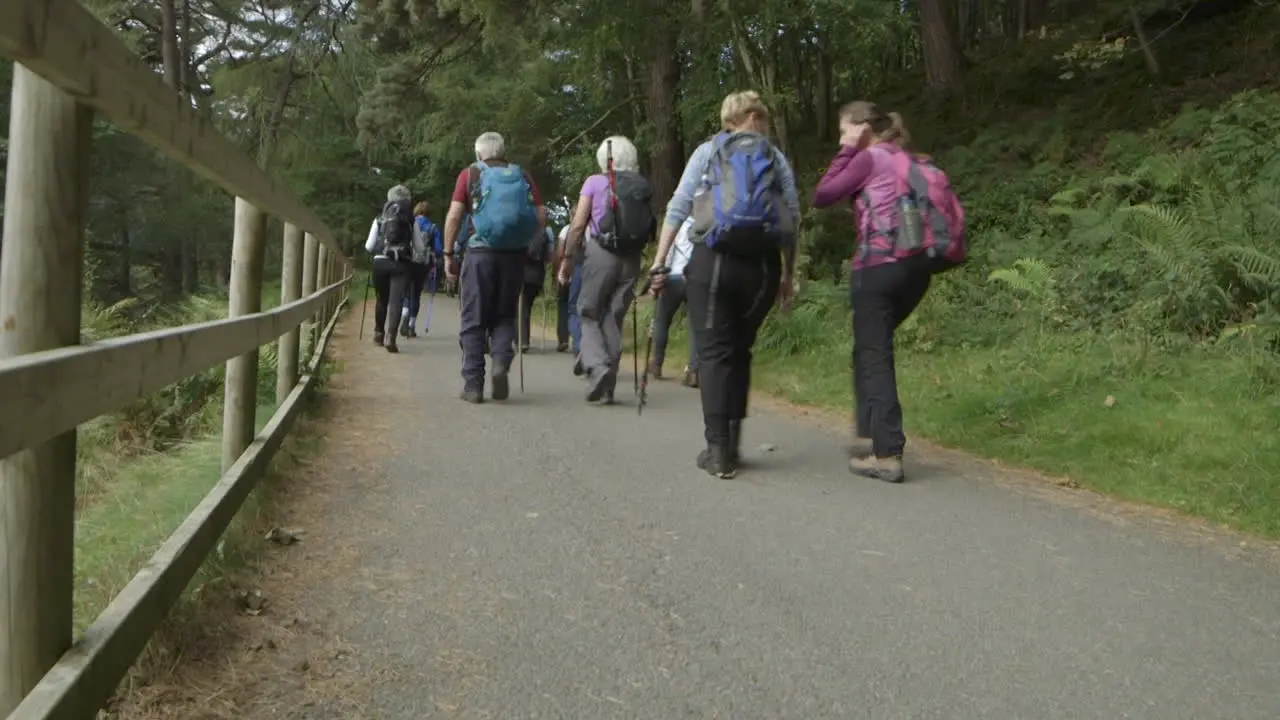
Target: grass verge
[[147, 499], [150, 496], [1185, 430]]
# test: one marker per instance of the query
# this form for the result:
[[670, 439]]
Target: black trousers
[[728, 298], [390, 283], [882, 297]]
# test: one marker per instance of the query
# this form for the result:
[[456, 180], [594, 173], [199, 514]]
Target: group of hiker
[[726, 252]]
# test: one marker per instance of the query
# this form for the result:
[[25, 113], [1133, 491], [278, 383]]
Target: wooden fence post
[[322, 279], [334, 264], [337, 275], [310, 255], [240, 393], [290, 290], [46, 197], [327, 273]]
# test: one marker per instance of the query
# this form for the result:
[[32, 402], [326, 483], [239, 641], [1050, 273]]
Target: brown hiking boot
[[888, 469], [690, 379], [655, 371]]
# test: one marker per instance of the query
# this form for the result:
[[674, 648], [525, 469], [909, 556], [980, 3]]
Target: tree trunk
[[667, 155], [169, 43], [189, 82], [941, 59], [267, 149]]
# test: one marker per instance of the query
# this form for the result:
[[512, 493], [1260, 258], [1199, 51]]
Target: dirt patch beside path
[[280, 662]]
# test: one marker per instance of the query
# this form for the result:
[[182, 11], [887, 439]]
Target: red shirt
[[462, 191]]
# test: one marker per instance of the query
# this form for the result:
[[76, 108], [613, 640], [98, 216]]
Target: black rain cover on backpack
[[538, 248], [628, 224], [395, 227]]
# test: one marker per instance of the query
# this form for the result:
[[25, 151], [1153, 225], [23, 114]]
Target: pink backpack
[[939, 232]]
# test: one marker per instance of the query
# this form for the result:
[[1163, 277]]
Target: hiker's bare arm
[[578, 227], [789, 258], [542, 221], [848, 174], [452, 223], [665, 241], [371, 242]]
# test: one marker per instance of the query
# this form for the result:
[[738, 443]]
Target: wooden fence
[[70, 65]]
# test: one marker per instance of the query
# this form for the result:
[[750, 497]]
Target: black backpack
[[628, 224], [395, 228], [538, 249]]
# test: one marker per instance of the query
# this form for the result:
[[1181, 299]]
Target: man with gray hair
[[615, 206], [393, 243], [506, 213]]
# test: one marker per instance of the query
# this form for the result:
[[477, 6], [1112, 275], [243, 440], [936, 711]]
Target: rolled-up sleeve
[[682, 199]]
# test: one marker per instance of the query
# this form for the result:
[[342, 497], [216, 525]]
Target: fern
[[1029, 276]]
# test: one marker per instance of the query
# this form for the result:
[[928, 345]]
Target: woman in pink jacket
[[884, 287]]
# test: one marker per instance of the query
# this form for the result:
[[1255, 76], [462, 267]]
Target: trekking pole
[[364, 309], [544, 314], [635, 346], [642, 389], [519, 336], [433, 279]]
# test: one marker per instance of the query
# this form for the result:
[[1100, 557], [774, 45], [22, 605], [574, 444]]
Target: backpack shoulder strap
[[473, 183]]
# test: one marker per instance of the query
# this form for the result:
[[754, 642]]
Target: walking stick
[[433, 278], [544, 314], [364, 310], [520, 338], [642, 383], [635, 345]]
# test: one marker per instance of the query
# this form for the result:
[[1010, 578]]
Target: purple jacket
[[851, 173]]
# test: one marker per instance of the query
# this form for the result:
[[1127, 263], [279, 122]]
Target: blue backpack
[[743, 209], [502, 212]]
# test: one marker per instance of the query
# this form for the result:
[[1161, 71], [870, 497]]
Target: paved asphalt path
[[542, 558]]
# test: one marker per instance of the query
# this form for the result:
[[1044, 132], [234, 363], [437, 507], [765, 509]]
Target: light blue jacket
[[695, 179]]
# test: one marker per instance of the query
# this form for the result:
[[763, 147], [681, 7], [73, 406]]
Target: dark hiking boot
[[655, 371], [735, 441], [392, 347], [717, 461], [378, 339], [524, 349], [501, 386], [404, 327], [888, 469], [475, 396], [578, 370], [690, 379], [601, 385], [562, 347]]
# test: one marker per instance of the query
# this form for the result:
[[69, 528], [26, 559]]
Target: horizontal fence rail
[[46, 393], [70, 64], [86, 676]]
